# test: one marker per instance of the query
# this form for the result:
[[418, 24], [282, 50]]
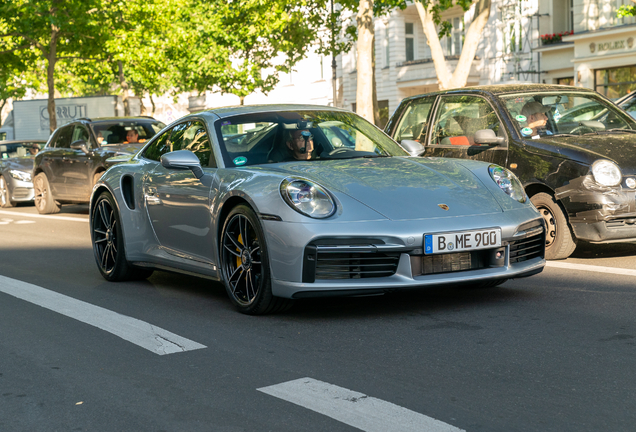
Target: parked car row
[[478, 185]]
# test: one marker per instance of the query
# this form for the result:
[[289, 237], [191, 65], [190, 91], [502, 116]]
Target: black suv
[[76, 156], [573, 150]]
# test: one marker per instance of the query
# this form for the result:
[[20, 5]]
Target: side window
[[160, 146], [195, 139], [178, 135], [459, 117], [63, 138], [80, 133], [413, 123]]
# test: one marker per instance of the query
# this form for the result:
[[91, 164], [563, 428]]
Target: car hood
[[401, 188], [130, 148], [619, 147], [23, 163]]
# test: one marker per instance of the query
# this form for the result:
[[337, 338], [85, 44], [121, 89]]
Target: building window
[[615, 82], [454, 42], [409, 40]]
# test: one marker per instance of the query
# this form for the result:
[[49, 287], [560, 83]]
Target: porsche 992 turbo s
[[287, 202]]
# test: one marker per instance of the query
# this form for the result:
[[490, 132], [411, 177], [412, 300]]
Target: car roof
[[499, 89], [252, 109], [22, 141], [111, 119]]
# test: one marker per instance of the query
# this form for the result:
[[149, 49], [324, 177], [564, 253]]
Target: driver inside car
[[301, 144], [537, 120]]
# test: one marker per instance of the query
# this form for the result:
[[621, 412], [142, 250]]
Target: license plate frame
[[446, 242]]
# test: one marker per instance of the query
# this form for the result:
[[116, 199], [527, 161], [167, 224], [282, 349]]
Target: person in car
[[296, 142], [537, 120], [132, 136]]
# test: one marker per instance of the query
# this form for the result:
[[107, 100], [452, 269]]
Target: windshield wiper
[[375, 156], [562, 135]]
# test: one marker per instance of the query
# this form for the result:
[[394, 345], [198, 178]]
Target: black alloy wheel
[[44, 201], [245, 264], [108, 243], [5, 196]]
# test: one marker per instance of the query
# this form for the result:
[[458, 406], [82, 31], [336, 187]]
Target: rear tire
[[5, 195], [108, 243], [559, 240], [44, 200], [245, 264]]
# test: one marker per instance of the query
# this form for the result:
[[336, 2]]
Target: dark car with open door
[[573, 150]]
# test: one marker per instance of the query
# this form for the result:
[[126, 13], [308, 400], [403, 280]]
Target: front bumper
[[289, 243], [21, 191]]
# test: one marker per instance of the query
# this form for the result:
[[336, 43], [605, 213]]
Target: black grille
[[621, 223], [527, 248], [451, 262], [339, 265]]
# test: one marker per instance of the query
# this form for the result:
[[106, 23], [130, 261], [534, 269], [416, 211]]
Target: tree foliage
[[52, 31]]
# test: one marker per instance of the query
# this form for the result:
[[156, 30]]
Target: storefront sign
[[614, 45]]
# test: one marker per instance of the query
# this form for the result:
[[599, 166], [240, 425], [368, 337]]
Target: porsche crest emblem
[[443, 206]]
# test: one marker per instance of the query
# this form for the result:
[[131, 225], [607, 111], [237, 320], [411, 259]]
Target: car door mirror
[[80, 145], [488, 136], [182, 160], [414, 148]]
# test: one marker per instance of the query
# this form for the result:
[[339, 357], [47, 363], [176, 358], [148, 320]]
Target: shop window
[[616, 82]]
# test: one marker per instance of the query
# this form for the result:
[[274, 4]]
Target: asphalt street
[[554, 352]]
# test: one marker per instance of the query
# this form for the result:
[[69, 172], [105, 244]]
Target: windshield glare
[[20, 149], [263, 138], [550, 113], [126, 131]]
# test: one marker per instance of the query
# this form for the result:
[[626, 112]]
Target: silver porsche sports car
[[282, 202]]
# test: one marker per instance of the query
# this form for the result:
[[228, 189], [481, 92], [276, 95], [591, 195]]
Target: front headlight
[[20, 175], [307, 198], [508, 182], [606, 173]]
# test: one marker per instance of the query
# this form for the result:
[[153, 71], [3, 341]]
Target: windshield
[[126, 131], [20, 149], [549, 113], [262, 138]]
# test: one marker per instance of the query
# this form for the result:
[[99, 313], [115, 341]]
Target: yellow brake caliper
[[238, 258]]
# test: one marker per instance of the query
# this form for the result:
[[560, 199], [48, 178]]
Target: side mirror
[[487, 136], [79, 145], [413, 147], [182, 160]]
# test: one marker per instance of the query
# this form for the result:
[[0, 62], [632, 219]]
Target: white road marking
[[141, 333], [67, 218], [353, 408], [591, 268]]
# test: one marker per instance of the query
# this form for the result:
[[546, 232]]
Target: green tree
[[627, 10], [242, 46], [53, 31], [434, 27]]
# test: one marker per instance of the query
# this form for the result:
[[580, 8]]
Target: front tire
[[108, 243], [44, 201], [245, 264], [5, 195], [559, 241]]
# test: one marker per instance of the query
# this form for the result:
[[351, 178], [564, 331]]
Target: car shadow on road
[[611, 250]]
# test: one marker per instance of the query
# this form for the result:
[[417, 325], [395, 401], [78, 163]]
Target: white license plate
[[462, 241]]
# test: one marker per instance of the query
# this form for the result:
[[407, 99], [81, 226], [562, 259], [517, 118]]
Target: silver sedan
[[289, 202]]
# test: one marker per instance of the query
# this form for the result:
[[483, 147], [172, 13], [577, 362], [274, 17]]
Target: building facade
[[575, 42]]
